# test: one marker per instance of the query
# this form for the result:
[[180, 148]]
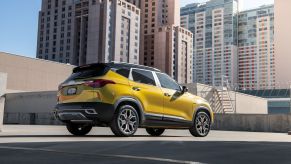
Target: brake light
[[99, 83]]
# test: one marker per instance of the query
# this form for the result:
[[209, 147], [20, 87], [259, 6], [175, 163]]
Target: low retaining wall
[[231, 122], [36, 109], [253, 122], [31, 119], [30, 108]]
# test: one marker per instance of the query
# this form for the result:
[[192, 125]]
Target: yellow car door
[[147, 92], [178, 106]]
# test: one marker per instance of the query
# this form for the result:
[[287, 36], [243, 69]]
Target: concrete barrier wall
[[247, 104], [30, 119], [30, 108], [29, 74], [36, 108], [31, 102], [253, 122]]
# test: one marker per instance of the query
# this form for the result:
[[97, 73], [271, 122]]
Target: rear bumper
[[84, 112]]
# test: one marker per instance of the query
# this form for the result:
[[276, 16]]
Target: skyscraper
[[55, 31], [232, 47], [214, 24], [87, 31], [256, 48], [164, 44]]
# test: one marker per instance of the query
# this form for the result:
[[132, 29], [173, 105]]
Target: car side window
[[143, 76], [123, 72], [167, 82]]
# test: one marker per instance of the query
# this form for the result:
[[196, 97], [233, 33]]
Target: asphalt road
[[145, 152], [59, 147]]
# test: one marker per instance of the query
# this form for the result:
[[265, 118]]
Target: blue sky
[[18, 26], [19, 21]]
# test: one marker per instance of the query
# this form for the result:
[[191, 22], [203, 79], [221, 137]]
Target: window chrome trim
[[158, 84]]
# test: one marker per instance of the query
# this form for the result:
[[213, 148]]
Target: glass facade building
[[256, 48], [214, 24], [232, 47]]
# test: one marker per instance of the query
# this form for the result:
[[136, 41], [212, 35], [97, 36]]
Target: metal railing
[[221, 100], [224, 99]]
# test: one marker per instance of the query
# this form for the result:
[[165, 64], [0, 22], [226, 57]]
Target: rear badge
[[72, 91]]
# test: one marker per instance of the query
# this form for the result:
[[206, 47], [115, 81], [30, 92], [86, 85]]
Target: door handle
[[136, 88], [167, 94]]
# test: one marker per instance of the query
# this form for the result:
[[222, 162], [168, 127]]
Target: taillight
[[99, 83]]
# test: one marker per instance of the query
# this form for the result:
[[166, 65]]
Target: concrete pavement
[[38, 133], [53, 144]]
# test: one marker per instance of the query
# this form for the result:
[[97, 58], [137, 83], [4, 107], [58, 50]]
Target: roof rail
[[138, 65]]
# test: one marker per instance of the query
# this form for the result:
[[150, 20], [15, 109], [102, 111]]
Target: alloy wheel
[[127, 121], [202, 124]]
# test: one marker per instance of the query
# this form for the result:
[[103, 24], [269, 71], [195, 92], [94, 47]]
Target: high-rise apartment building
[[55, 31], [231, 46], [164, 44], [87, 31], [214, 24], [174, 52], [256, 48]]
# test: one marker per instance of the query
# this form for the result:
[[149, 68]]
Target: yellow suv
[[127, 96]]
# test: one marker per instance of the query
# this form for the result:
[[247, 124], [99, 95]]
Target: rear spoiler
[[88, 66]]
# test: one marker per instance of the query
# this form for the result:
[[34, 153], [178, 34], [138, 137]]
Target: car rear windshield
[[88, 71]]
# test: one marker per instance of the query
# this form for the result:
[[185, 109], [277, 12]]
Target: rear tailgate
[[75, 88]]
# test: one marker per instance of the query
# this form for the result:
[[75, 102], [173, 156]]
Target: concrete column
[[3, 84]]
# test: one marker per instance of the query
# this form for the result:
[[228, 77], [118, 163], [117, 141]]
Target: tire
[[78, 129], [155, 131], [125, 121], [201, 125]]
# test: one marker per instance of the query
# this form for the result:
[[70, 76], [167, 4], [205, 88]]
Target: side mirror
[[184, 89]]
